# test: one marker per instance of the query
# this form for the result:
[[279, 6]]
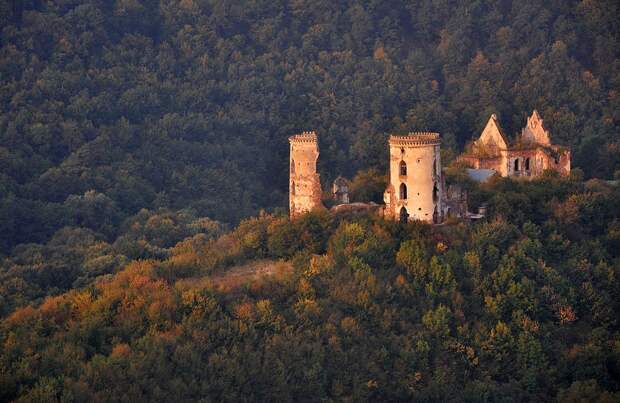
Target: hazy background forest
[[189, 104], [140, 139]]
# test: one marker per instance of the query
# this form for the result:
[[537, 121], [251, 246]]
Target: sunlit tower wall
[[415, 189], [304, 184]]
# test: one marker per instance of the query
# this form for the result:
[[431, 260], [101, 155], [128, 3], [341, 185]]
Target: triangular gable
[[492, 136], [534, 131]]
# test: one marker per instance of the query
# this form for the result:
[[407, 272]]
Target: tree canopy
[[171, 104], [516, 307]]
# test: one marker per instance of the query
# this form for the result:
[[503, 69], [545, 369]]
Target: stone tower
[[305, 184], [415, 190]]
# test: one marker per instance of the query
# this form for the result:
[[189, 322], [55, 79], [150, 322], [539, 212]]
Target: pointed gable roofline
[[493, 135], [534, 131]]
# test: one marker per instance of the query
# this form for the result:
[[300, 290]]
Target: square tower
[[304, 182], [415, 189]]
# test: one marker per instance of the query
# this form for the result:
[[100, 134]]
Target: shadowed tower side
[[304, 184]]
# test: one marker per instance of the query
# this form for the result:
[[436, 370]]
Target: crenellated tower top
[[304, 137], [415, 139]]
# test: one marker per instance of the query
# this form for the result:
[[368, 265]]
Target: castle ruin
[[416, 187]]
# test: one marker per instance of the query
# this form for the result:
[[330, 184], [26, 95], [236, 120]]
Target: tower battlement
[[303, 137], [415, 139]]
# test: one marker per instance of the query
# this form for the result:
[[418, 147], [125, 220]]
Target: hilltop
[[521, 306]]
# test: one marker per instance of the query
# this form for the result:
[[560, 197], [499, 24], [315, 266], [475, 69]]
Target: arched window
[[293, 188], [516, 165], [403, 191], [527, 164], [403, 168], [292, 166], [434, 167], [404, 216], [435, 193]]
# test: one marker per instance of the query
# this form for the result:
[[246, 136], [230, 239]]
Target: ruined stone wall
[[305, 185], [419, 152], [531, 163], [554, 158]]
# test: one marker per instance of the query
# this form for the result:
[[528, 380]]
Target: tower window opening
[[403, 191], [434, 166], [517, 165], [435, 193], [292, 166], [403, 168], [527, 164]]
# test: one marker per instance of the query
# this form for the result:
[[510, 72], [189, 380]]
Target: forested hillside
[[143, 175], [522, 307], [107, 107]]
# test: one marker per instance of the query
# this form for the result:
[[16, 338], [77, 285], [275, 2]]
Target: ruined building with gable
[[528, 156]]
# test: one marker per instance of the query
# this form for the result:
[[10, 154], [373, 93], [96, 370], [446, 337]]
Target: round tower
[[415, 189], [304, 184]]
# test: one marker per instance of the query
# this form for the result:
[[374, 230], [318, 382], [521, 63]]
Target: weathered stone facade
[[305, 184], [529, 156], [415, 189]]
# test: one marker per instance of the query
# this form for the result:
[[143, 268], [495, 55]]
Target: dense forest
[[522, 306], [188, 104], [144, 159]]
